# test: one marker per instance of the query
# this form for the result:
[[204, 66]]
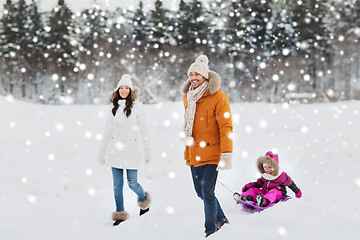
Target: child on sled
[[271, 186]]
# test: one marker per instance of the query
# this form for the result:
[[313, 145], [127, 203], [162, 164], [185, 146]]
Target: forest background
[[265, 50]]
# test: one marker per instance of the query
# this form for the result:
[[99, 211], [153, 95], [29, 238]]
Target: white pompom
[[202, 58], [126, 77]]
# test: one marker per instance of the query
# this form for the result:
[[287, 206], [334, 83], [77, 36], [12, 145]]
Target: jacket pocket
[[208, 149]]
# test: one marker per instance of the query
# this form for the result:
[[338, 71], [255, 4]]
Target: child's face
[[268, 169]]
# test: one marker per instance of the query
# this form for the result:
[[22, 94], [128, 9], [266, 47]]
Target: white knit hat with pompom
[[200, 66], [125, 80]]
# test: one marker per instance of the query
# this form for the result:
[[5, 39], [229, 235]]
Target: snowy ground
[[51, 186]]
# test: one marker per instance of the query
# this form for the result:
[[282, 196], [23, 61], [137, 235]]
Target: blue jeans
[[204, 178], [118, 180]]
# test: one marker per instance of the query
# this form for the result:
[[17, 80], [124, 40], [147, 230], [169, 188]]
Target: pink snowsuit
[[272, 186], [273, 190]]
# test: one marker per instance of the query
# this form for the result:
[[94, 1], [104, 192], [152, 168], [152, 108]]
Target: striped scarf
[[192, 97]]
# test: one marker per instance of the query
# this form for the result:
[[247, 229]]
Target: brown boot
[[119, 217], [145, 204]]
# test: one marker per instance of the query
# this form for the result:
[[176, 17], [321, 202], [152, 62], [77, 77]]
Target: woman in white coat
[[124, 140]]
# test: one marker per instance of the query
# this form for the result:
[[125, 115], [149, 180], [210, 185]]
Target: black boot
[[142, 212], [117, 222], [250, 198]]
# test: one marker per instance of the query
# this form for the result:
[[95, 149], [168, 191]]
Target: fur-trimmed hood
[[135, 93], [269, 161], [214, 83]]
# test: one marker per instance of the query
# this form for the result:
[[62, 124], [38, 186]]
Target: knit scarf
[[193, 95]]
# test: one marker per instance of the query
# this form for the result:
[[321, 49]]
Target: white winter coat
[[125, 138]]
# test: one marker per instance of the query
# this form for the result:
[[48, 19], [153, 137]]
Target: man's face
[[196, 79]]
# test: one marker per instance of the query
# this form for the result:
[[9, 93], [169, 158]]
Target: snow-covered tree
[[236, 32], [8, 44], [280, 37], [158, 24], [62, 47], [183, 26], [191, 25], [36, 45], [259, 13], [312, 34], [141, 29], [8, 36]]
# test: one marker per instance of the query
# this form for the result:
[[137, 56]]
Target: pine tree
[[36, 46], [259, 13], [348, 22], [141, 29], [8, 35], [312, 34], [218, 24], [198, 26], [7, 43], [183, 26], [237, 34], [62, 53], [280, 35], [22, 23], [158, 23], [93, 29]]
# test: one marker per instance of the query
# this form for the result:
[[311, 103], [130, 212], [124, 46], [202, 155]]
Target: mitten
[[298, 194], [247, 186], [225, 161]]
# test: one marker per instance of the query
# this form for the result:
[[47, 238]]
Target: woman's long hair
[[128, 103]]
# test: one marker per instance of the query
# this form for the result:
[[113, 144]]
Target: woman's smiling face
[[124, 91]]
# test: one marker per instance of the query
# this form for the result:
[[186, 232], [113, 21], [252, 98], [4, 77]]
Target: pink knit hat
[[200, 66], [273, 156]]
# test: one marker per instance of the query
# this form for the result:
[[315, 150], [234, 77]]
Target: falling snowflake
[[31, 198], [51, 157], [357, 181], [167, 123], [248, 129], [89, 171], [170, 210], [60, 127], [227, 115], [172, 175], [88, 134], [282, 231], [91, 192], [263, 124], [304, 129]]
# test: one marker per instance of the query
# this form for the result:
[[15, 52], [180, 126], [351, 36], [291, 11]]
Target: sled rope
[[224, 186]]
